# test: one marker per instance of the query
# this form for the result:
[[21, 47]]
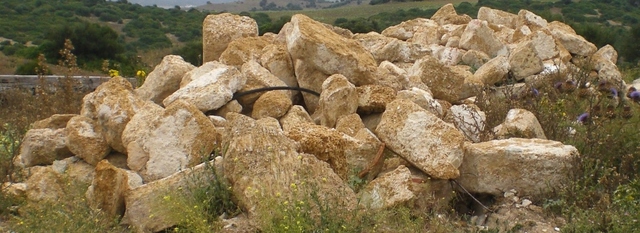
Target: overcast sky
[[172, 3]]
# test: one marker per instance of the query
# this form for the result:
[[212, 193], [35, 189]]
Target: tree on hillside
[[92, 42]]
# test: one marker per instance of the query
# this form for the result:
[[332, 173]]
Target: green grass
[[360, 11]]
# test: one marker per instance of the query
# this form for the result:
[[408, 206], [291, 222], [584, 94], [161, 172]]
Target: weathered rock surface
[[243, 50], [478, 36], [258, 77], [388, 190], [338, 98], [219, 30], [573, 42], [519, 123], [523, 61], [407, 29], [149, 207], [374, 98], [271, 104], [55, 121], [210, 87], [263, 165], [390, 49], [329, 52], [421, 138], [448, 15], [164, 79], [44, 185], [43, 146], [108, 188], [85, 140], [497, 17], [161, 143], [534, 166], [445, 82], [277, 60], [111, 106]]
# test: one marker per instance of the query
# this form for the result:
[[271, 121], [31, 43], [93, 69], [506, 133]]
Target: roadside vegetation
[[604, 195]]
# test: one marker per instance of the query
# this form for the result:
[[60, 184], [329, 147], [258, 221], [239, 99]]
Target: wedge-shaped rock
[[497, 17], [447, 15], [108, 189], [163, 142], [407, 29], [219, 30], [311, 79], [243, 50], [532, 21], [493, 71], [44, 185], [524, 61], [271, 104], [531, 166], [445, 82], [338, 98], [111, 106], [209, 86], [86, 141], [264, 167], [43, 146], [390, 49], [374, 98], [277, 60], [478, 36], [388, 190], [152, 207], [519, 123], [573, 42], [421, 138], [164, 79], [329, 52]]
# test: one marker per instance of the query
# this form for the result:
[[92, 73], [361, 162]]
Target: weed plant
[[604, 190]]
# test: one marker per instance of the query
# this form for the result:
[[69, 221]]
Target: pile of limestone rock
[[394, 109]]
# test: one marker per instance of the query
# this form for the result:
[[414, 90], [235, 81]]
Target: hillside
[[142, 35]]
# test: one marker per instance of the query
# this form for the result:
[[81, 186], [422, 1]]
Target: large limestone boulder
[[86, 141], [258, 77], [111, 106], [43, 146], [164, 79], [573, 42], [152, 207], [55, 121], [447, 15], [329, 145], [264, 167], [524, 61], [445, 82], [479, 36], [311, 79], [219, 30], [164, 142], [108, 188], [209, 86], [329, 52], [390, 49], [519, 123], [243, 50], [407, 29], [535, 166], [277, 60], [374, 98], [44, 185], [497, 17], [388, 190], [493, 71], [271, 104], [532, 21], [422, 138], [338, 97]]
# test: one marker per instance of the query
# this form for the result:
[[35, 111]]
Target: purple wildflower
[[557, 85], [614, 92], [535, 91], [583, 118], [635, 96]]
